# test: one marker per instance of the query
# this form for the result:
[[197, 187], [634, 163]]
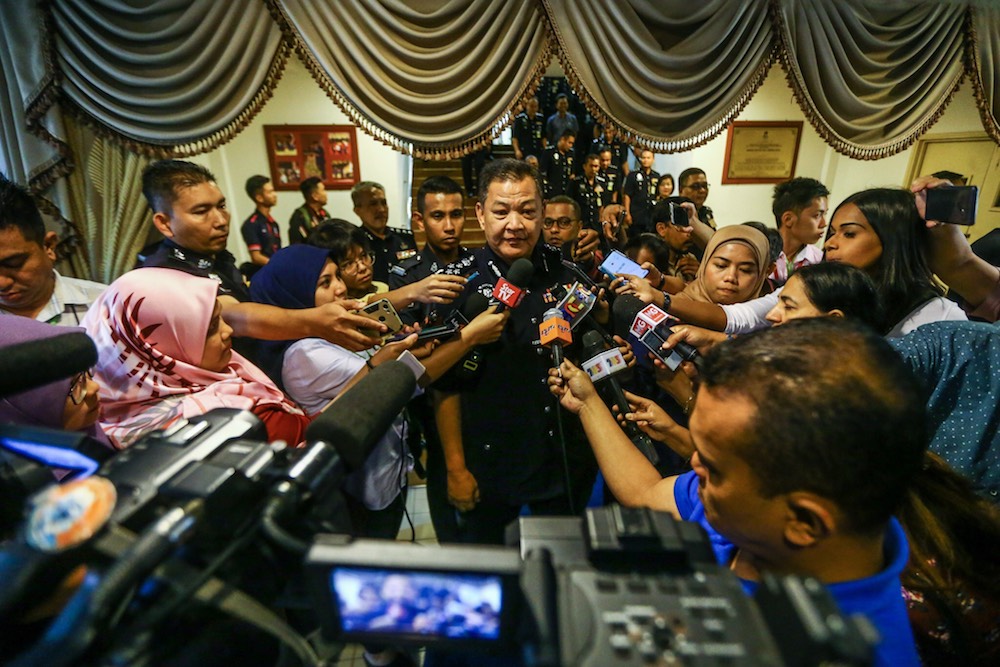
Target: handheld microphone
[[651, 325], [357, 420], [31, 364], [603, 361], [554, 333], [509, 291]]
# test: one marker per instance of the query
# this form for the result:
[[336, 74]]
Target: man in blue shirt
[[806, 437]]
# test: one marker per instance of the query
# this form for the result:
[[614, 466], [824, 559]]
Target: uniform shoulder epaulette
[[401, 231], [459, 267]]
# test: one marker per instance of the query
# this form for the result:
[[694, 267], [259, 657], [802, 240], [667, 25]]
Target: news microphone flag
[[576, 304], [507, 290], [554, 333]]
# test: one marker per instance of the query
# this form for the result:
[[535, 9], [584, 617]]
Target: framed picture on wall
[[298, 152], [761, 152]]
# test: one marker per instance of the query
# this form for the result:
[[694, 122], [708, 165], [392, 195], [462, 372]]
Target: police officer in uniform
[[591, 193], [639, 195], [500, 443], [612, 174], [529, 131], [440, 215], [557, 165], [390, 245]]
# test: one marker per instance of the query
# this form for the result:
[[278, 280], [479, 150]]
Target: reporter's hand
[[587, 242], [626, 349], [438, 288], [688, 267], [703, 339], [571, 386], [463, 489], [336, 323], [391, 351], [919, 188], [485, 327], [649, 417], [641, 288]]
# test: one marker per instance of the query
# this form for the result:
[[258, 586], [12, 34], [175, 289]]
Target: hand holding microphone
[[554, 334]]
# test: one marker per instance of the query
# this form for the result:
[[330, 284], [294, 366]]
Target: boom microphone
[[510, 290], [24, 366], [358, 419]]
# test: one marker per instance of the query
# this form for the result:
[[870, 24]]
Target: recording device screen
[[432, 605]]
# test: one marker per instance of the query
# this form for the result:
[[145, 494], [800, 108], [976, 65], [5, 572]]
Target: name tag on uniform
[[405, 254]]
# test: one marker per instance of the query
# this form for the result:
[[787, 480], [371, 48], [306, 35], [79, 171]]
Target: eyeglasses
[[78, 388], [355, 265], [562, 223], [697, 186]]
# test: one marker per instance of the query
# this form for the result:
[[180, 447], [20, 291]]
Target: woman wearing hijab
[[165, 353], [733, 269]]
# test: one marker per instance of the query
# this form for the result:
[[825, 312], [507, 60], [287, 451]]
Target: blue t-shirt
[[879, 597]]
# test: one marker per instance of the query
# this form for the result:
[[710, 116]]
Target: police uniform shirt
[[613, 175], [557, 170], [303, 221], [641, 187], [509, 431], [529, 133], [396, 246], [413, 270], [261, 233], [220, 268], [591, 197]]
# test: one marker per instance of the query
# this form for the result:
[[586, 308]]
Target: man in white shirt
[[29, 284], [799, 208]]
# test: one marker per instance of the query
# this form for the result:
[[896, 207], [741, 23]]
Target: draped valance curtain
[[440, 78]]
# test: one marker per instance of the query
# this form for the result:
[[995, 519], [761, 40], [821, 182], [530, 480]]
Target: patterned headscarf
[[150, 327]]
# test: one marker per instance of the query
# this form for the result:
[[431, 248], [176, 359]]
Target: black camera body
[[619, 586]]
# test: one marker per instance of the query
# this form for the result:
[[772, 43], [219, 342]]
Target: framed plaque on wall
[[298, 152], [761, 152]]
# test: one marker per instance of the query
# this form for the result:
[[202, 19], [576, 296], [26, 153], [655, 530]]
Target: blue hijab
[[288, 280]]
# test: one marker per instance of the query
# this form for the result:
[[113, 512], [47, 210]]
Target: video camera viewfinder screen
[[430, 604]]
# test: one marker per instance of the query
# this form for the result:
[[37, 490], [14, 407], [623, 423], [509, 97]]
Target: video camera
[[166, 526]]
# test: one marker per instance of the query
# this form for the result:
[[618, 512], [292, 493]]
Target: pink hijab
[[150, 327]]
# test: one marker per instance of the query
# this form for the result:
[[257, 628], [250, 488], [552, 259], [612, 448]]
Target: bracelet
[[368, 363], [688, 404], [663, 279], [666, 301]]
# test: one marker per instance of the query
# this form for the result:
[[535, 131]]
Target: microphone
[[34, 363], [604, 362], [358, 419], [651, 325], [554, 333], [508, 291]]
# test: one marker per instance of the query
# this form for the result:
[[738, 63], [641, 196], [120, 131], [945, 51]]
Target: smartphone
[[678, 215], [617, 262], [954, 205], [382, 311], [445, 330]]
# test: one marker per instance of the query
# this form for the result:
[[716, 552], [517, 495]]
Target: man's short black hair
[[652, 243], [591, 156], [661, 210], [688, 173], [309, 185], [18, 209], [338, 236], [506, 169], [162, 180], [436, 185], [838, 414], [255, 184], [567, 133], [795, 195], [563, 199]]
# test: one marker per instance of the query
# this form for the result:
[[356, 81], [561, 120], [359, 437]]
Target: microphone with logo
[[651, 325], [602, 366], [554, 333], [510, 290]]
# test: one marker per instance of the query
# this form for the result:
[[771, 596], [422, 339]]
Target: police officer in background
[[612, 174], [639, 195], [500, 445], [440, 215], [557, 165], [529, 131], [591, 192], [390, 245]]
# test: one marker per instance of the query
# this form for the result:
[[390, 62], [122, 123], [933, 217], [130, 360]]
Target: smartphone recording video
[[954, 205]]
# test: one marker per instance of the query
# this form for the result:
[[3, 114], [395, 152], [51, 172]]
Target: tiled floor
[[416, 507]]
